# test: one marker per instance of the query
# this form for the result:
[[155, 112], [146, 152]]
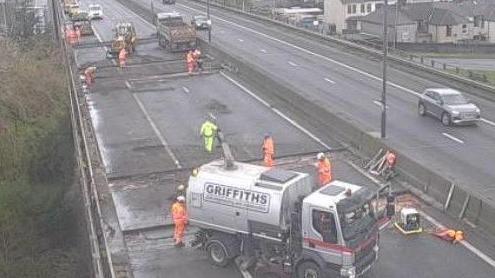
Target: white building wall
[[491, 31]]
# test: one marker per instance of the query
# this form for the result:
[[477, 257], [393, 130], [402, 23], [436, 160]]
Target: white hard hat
[[181, 187], [320, 156], [181, 198]]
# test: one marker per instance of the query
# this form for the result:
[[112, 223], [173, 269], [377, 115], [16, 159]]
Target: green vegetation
[[487, 76], [40, 234]]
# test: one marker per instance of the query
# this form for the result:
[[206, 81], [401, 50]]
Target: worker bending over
[[324, 169], [122, 57], [450, 235], [268, 151], [180, 218]]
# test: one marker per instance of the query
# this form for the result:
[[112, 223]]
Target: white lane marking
[[451, 137], [278, 112], [245, 273], [329, 81], [379, 103], [241, 40], [319, 56], [488, 122], [185, 89], [98, 37], [430, 219], [262, 50], [166, 146], [292, 64], [464, 243]]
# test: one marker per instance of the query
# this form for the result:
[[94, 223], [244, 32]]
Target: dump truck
[[124, 37], [84, 26], [274, 216], [68, 4], [173, 33]]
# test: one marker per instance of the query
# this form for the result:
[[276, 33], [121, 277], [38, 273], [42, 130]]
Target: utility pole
[[384, 77], [209, 20]]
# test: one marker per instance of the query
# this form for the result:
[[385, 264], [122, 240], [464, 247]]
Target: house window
[[349, 9], [448, 31], [476, 21], [464, 28], [362, 8], [482, 23], [368, 8], [353, 9]]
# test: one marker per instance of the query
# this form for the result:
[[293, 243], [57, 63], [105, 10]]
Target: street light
[[384, 77], [209, 20]]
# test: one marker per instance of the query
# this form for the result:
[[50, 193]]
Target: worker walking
[[122, 57], [209, 132], [190, 62], [180, 218], [268, 151], [324, 169]]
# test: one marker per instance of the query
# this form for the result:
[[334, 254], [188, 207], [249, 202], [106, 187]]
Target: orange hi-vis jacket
[[324, 171], [122, 54], [268, 146], [179, 213]]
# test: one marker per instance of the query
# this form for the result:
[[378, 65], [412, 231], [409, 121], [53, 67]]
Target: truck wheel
[[308, 270], [217, 253]]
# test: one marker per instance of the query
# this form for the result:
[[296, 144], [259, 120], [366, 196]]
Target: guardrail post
[[433, 63], [444, 66], [464, 206], [449, 197], [457, 70], [422, 59], [411, 57]]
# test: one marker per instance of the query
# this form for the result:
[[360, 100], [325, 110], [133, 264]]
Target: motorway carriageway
[[350, 86], [150, 126]]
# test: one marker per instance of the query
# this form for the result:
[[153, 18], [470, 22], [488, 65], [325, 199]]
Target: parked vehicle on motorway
[[95, 11], [168, 2], [448, 105], [84, 26], [81, 15], [273, 216], [124, 37], [201, 22], [173, 33]]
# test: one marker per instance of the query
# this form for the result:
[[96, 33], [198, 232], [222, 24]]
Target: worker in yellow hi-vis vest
[[209, 132]]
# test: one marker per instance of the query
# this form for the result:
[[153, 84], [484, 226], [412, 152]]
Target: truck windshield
[[357, 223]]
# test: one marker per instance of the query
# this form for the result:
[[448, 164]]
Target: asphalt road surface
[[350, 85], [147, 130]]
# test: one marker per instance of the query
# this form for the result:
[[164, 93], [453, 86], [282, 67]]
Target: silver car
[[449, 106]]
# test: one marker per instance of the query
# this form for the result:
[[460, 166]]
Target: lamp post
[[209, 20], [384, 77]]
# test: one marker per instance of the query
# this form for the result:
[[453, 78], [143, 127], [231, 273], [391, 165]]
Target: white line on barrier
[[317, 55], [241, 40], [185, 89], [329, 81], [453, 138], [166, 146], [262, 50], [278, 112], [379, 104]]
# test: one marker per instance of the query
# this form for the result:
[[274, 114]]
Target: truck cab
[[339, 230]]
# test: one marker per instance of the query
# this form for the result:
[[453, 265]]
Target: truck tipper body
[[173, 33], [274, 215]]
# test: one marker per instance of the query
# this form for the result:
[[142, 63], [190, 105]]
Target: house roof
[[434, 13], [358, 1], [377, 17]]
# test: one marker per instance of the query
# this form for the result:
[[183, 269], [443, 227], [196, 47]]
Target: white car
[[95, 11]]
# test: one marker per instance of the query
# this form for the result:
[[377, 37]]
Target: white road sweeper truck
[[273, 215]]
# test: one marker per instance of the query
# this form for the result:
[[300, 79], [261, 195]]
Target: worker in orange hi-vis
[[78, 34], [180, 218], [324, 169], [268, 150], [122, 57], [197, 57], [89, 75], [72, 36], [190, 62], [450, 235]]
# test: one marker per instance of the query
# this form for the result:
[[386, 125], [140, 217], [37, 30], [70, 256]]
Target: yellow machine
[[124, 37]]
